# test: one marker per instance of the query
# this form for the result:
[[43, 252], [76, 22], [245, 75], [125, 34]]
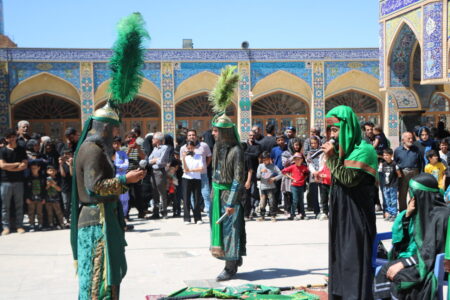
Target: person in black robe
[[353, 164]]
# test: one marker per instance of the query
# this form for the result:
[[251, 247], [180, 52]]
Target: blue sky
[[211, 24]]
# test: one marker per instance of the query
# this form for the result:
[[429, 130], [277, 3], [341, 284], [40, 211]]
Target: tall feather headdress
[[127, 60], [222, 94]]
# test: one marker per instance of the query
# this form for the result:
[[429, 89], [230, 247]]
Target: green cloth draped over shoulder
[[216, 229], [398, 235], [353, 150], [114, 235]]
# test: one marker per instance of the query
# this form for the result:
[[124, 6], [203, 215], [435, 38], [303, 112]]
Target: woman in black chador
[[418, 235]]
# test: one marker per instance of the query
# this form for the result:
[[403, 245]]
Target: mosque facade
[[399, 85]]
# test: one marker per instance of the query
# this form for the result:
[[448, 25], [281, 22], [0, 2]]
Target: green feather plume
[[222, 94], [127, 60]]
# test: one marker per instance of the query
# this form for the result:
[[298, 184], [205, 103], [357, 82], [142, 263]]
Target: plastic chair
[[439, 272], [376, 261]]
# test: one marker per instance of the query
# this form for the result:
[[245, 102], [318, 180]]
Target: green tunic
[[228, 239]]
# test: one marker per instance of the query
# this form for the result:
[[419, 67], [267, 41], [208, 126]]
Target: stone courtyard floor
[[166, 255]]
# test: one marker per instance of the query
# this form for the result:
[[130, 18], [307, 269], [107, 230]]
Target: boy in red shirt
[[298, 172]]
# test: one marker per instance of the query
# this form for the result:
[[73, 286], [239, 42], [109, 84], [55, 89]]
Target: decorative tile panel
[[263, 69], [19, 71], [151, 71], [393, 116], [319, 90], [405, 98], [401, 57], [390, 6], [183, 71], [103, 55], [244, 100], [87, 90], [336, 68], [432, 41], [4, 98], [412, 18], [168, 107]]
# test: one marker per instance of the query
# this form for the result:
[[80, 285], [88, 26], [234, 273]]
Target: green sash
[[216, 229]]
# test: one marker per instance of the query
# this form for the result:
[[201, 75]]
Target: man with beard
[[228, 237], [251, 156], [408, 160], [353, 166], [97, 227]]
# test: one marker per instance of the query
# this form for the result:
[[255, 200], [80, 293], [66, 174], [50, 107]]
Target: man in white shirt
[[202, 149]]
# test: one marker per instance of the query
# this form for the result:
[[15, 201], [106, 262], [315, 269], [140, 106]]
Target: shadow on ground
[[277, 273]]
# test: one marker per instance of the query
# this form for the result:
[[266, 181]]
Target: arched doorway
[[366, 107], [438, 111], [48, 114], [282, 110], [196, 113], [139, 112]]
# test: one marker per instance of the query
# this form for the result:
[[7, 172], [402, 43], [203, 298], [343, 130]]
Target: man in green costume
[[418, 235], [353, 166], [97, 228], [228, 238]]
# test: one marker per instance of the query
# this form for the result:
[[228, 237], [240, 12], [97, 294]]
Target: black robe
[[352, 229]]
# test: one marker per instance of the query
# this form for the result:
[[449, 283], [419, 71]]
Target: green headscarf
[[353, 150]]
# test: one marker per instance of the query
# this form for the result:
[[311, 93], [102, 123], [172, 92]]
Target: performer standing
[[352, 226], [97, 227], [228, 238]]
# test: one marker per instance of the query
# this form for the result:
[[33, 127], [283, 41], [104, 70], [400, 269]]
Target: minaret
[[2, 26], [5, 42]]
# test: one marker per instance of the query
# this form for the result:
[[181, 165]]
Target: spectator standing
[[121, 163], [203, 149], [275, 155], [135, 154], [369, 135], [380, 141], [290, 133], [13, 162], [324, 178], [268, 173], [51, 156], [313, 132], [408, 161], [35, 194], [436, 168], [66, 171], [269, 141], [313, 167], [193, 166], [425, 143], [52, 205], [251, 156], [23, 136], [298, 173], [257, 133], [72, 137], [444, 154], [388, 169], [158, 160], [294, 146]]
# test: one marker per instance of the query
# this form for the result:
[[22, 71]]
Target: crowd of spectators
[[282, 171]]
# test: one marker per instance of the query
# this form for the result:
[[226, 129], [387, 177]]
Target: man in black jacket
[[251, 156]]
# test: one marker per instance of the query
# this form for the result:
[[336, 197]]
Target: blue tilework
[[183, 71], [259, 70], [336, 68]]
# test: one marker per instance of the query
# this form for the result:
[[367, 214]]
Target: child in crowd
[[52, 205], [313, 167], [35, 192], [192, 183], [324, 179], [388, 170], [65, 169], [436, 168], [268, 173], [381, 142], [298, 172], [121, 163], [444, 154]]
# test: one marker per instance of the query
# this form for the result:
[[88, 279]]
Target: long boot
[[229, 271]]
